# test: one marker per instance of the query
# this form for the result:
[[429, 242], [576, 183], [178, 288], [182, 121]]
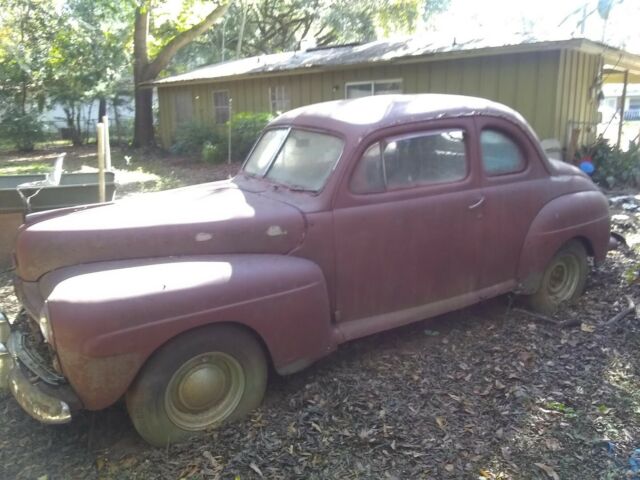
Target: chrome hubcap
[[563, 278], [204, 391]]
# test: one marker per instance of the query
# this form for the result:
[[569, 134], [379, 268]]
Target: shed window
[[422, 159], [500, 154], [183, 103], [221, 106], [279, 99], [375, 87]]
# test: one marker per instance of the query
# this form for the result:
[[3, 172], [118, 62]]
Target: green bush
[[212, 143], [245, 128], [214, 153], [614, 168], [22, 130], [191, 137]]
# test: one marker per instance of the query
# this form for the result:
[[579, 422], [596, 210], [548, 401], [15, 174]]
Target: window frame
[[285, 98], [385, 140], [373, 83], [518, 145], [216, 108]]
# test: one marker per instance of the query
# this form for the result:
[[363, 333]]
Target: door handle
[[477, 204]]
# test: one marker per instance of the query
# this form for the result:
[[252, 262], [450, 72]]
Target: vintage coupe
[[347, 218]]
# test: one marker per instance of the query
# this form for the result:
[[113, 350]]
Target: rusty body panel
[[303, 270]]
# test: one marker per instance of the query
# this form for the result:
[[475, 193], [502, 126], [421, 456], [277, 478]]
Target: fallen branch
[[537, 316], [620, 315]]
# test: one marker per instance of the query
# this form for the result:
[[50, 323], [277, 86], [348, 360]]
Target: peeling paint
[[203, 237], [275, 231]]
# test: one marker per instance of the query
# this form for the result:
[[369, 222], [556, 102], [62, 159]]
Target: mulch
[[485, 392]]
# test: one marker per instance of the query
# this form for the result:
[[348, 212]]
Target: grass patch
[[28, 169]]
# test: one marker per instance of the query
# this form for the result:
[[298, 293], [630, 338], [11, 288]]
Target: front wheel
[[563, 280], [196, 382]]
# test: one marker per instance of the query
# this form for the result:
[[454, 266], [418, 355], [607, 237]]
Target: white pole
[[107, 144], [101, 184], [229, 139]]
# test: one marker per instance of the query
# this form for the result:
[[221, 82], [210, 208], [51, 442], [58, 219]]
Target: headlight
[[45, 325]]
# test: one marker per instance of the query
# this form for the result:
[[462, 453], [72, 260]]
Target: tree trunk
[[143, 135], [146, 70]]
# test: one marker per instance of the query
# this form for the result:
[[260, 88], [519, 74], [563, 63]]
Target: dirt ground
[[483, 393]]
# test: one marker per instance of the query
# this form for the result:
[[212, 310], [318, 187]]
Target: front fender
[[582, 215], [109, 317]]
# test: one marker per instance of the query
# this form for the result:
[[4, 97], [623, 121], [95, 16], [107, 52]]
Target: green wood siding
[[576, 106], [549, 88]]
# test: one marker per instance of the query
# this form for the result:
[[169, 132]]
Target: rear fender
[[108, 318], [583, 216]]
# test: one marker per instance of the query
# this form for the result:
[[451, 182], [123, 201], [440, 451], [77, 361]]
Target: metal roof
[[431, 47]]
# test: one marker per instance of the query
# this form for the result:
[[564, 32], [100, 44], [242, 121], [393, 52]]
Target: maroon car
[[347, 218]]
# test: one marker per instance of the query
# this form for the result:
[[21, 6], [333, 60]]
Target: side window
[[435, 157], [500, 154], [368, 177], [423, 159]]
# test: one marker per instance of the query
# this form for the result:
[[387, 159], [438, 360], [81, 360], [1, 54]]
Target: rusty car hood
[[204, 219]]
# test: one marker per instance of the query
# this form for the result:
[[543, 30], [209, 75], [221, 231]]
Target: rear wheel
[[196, 382], [563, 280]]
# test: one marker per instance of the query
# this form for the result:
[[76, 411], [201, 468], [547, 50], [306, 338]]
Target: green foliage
[[560, 408], [212, 144], [213, 153], [191, 137], [272, 27], [614, 168], [245, 128], [26, 31], [23, 130]]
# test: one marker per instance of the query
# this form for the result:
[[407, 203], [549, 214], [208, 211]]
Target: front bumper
[[39, 400]]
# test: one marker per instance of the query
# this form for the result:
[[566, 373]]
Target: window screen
[[183, 107], [377, 87], [279, 98], [500, 154], [221, 106]]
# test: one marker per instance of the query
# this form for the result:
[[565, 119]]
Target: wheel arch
[[104, 340], [581, 216]]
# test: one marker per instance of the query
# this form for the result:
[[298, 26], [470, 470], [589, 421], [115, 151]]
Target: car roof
[[365, 114]]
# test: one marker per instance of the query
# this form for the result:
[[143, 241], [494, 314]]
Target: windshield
[[299, 159]]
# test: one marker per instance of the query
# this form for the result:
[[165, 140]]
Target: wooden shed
[[556, 84]]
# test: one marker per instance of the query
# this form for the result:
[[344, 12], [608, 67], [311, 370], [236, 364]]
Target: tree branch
[[183, 39]]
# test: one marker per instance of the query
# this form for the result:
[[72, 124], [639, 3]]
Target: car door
[[514, 187], [406, 223]]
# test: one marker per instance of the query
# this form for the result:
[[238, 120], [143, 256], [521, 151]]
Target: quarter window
[[500, 155], [424, 159]]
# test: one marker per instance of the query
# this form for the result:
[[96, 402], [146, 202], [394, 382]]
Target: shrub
[[245, 128], [214, 153], [212, 143], [614, 168], [23, 130], [191, 137]]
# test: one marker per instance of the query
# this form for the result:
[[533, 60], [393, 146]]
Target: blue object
[[634, 462], [587, 167]]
